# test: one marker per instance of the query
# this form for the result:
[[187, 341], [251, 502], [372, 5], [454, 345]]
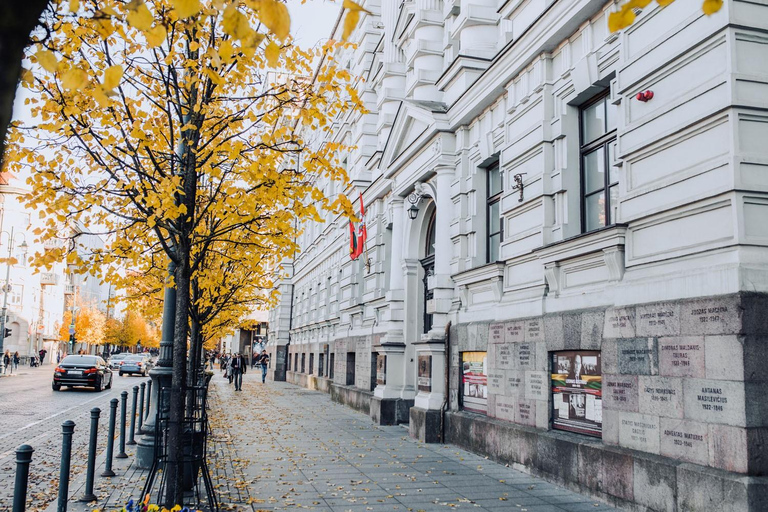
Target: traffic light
[[7, 333]]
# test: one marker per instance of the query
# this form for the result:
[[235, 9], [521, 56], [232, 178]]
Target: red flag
[[352, 241], [357, 240]]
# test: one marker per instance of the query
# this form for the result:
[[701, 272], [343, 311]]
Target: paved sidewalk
[[280, 447]]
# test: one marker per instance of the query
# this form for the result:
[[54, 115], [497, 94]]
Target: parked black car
[[89, 371]]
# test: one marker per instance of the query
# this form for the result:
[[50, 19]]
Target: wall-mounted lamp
[[519, 184], [414, 198]]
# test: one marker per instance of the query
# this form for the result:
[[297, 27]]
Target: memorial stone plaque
[[496, 380], [662, 396], [526, 412], [514, 332], [425, 373], [681, 357], [534, 330], [710, 316], [526, 356], [381, 369], [505, 408], [536, 385], [715, 401], [619, 323], [496, 333], [685, 440], [620, 392], [639, 432], [514, 383], [658, 320], [638, 356], [504, 356]]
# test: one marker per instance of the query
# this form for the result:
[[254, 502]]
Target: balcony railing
[[49, 279], [69, 289], [53, 243]]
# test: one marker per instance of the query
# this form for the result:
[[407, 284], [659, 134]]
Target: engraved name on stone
[[496, 332], [504, 356], [524, 355], [709, 314], [533, 330]]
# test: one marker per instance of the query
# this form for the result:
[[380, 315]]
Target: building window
[[493, 221], [428, 267], [311, 363], [350, 369], [599, 178]]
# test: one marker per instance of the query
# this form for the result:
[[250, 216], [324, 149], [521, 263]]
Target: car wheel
[[56, 387], [99, 385], [109, 386], [121, 374]]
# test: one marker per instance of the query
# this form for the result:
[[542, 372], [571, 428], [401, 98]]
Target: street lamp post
[[7, 288]]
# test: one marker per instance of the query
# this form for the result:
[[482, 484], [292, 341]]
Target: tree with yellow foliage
[[625, 15], [90, 324], [161, 126], [129, 331]]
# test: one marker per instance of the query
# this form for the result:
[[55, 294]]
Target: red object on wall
[[644, 96]]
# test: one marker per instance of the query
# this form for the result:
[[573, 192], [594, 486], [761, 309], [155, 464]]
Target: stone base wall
[[390, 411], [277, 355], [353, 397], [682, 385], [425, 425], [627, 478]]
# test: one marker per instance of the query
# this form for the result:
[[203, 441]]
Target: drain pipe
[[444, 406]]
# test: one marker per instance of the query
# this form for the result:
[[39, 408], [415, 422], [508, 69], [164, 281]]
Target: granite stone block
[[534, 330], [610, 356], [619, 323], [661, 396], [514, 383], [491, 405], [514, 332], [638, 356], [685, 440], [728, 448], [496, 380], [543, 413], [496, 333], [715, 401], [619, 475], [471, 343], [702, 489], [591, 468], [526, 412], [711, 316], [553, 332], [542, 356], [481, 342], [505, 407], [536, 385], [756, 403], [724, 357], [655, 483], [525, 355], [755, 356], [620, 393], [611, 422], [639, 432], [754, 320], [558, 457], [592, 323], [503, 356], [658, 319], [682, 356], [572, 331]]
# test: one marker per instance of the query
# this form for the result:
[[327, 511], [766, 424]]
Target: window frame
[[490, 202], [604, 141]]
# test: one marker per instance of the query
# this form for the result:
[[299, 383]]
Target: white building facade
[[566, 262]]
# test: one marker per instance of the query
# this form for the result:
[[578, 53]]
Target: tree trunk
[[193, 368], [17, 19], [175, 449]]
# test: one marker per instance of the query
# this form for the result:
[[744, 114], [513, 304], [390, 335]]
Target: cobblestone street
[[32, 414]]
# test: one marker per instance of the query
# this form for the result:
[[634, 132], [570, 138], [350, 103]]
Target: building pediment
[[414, 124]]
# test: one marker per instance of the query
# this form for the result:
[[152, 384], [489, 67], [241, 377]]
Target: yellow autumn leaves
[[625, 16]]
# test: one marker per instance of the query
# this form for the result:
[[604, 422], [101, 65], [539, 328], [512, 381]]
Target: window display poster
[[474, 381], [577, 395]]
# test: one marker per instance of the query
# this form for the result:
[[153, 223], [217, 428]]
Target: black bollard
[[149, 396], [91, 469], [111, 439], [123, 406], [67, 429], [132, 431], [141, 405], [23, 458]]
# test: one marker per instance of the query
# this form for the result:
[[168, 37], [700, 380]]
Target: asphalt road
[[32, 413]]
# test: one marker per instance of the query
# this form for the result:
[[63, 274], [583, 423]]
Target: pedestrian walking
[[42, 355], [238, 369], [7, 362], [264, 362], [16, 360]]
